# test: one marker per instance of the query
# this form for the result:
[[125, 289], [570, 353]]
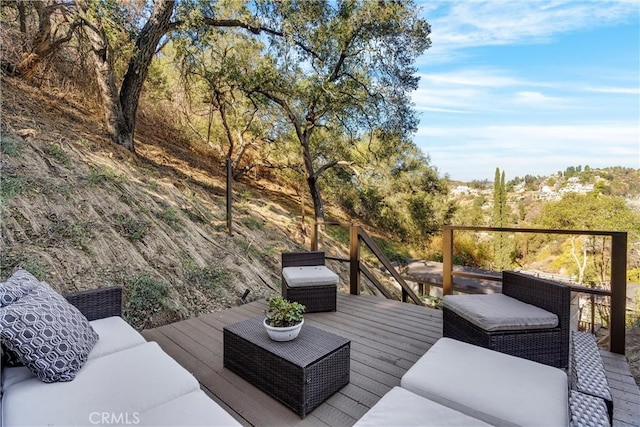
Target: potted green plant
[[284, 319]]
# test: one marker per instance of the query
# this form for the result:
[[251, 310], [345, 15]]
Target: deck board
[[387, 338]]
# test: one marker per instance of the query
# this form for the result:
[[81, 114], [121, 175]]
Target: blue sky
[[531, 87]]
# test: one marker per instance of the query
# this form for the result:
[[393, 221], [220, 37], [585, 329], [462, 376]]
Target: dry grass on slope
[[83, 213]]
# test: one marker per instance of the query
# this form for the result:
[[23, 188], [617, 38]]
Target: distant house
[[519, 188], [574, 186], [462, 190], [548, 193]]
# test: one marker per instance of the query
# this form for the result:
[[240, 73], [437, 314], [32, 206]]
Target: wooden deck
[[387, 337]]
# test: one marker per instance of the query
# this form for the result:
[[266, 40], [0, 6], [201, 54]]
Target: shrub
[[209, 277], [148, 298], [283, 313]]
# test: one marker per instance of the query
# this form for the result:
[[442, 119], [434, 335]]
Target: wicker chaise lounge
[[305, 279], [529, 332]]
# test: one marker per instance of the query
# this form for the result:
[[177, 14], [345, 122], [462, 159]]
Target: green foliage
[[76, 232], [282, 313], [8, 263], [633, 318], [253, 223], [392, 188], [591, 211], [120, 22], [55, 151], [147, 297], [469, 249], [501, 243], [394, 251], [10, 146], [326, 83], [208, 277], [172, 218], [12, 186], [131, 228], [337, 233], [103, 174], [431, 301]]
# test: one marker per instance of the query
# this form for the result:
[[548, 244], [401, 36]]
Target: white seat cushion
[[127, 382], [115, 335], [317, 275], [193, 409], [14, 375], [400, 407], [498, 312], [494, 387]]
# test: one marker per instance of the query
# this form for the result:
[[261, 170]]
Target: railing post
[[593, 314], [229, 169], [354, 259], [314, 236], [618, 291], [447, 260]]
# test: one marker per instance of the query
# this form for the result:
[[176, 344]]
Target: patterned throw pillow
[[49, 335], [9, 358], [18, 285]]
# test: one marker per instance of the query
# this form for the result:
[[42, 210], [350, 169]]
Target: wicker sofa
[[125, 381], [514, 322]]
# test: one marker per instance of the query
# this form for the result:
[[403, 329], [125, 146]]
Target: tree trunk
[[117, 125], [120, 108], [316, 198], [22, 15], [47, 40], [311, 175], [582, 265], [146, 44]]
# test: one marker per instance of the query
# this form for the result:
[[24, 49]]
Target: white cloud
[[485, 77], [614, 90], [460, 24], [483, 90], [531, 98], [468, 153]]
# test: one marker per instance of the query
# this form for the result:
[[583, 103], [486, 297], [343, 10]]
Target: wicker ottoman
[[301, 373]]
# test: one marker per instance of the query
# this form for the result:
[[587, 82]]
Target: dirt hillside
[[79, 212]]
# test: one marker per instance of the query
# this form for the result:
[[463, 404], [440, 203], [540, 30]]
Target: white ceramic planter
[[283, 334]]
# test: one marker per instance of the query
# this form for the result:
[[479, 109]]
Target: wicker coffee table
[[301, 373]]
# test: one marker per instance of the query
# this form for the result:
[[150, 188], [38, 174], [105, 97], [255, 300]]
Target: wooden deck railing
[[618, 292], [358, 236]]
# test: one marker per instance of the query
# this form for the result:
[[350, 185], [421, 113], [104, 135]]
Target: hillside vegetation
[[81, 212]]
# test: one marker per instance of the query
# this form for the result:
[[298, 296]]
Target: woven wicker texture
[[97, 303], [301, 373], [587, 370], [314, 298], [548, 346], [587, 411]]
